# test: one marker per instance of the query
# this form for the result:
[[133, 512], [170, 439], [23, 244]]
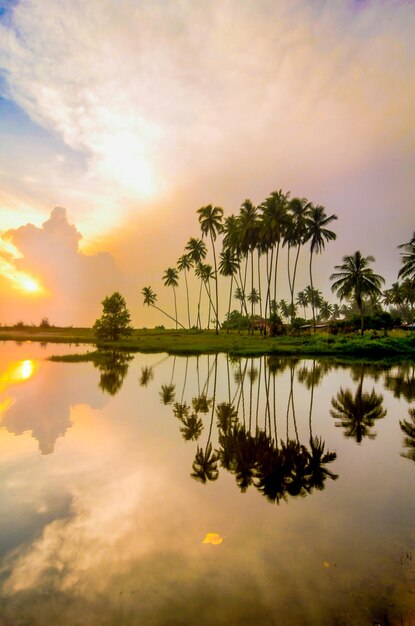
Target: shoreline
[[398, 344]]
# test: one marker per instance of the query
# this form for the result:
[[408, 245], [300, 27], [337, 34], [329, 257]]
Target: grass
[[396, 344]]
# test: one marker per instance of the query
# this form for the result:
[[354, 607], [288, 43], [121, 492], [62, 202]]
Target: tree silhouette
[[317, 234], [184, 264], [210, 219], [356, 279], [170, 279], [196, 250], [408, 260], [114, 322]]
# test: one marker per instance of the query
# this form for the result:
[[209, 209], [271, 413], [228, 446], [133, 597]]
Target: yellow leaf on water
[[326, 564], [214, 538]]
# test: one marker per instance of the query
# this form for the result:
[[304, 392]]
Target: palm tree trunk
[[187, 295], [175, 305], [199, 321], [259, 283], [230, 302], [293, 283], [169, 316], [312, 292], [252, 291], [276, 271]]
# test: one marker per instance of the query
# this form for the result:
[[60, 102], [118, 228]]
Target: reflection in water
[[248, 447], [357, 413], [139, 542], [408, 427], [113, 366], [401, 381]]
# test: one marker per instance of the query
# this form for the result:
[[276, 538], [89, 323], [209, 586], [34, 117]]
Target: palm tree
[[295, 236], [408, 260], [184, 264], [248, 225], [325, 310], [318, 234], [228, 266], [253, 298], [170, 279], [150, 299], [273, 224], [302, 300], [356, 279], [210, 219], [196, 249], [204, 272]]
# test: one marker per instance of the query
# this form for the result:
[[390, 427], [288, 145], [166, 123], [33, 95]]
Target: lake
[[157, 490]]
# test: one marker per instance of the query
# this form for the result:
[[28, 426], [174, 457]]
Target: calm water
[[151, 490]]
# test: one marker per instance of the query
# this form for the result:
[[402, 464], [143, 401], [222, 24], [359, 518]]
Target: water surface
[[153, 490]]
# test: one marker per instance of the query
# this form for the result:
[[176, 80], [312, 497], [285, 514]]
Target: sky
[[120, 118]]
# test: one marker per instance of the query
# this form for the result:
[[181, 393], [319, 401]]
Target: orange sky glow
[[116, 125]]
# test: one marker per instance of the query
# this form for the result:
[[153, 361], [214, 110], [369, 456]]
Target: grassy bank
[[397, 344]]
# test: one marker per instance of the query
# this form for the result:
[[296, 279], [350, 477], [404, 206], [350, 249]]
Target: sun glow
[[20, 280], [17, 372]]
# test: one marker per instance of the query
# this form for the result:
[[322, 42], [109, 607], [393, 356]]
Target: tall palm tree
[[150, 299], [204, 272], [356, 279], [249, 231], [196, 249], [210, 220], [317, 233], [273, 224], [183, 265], [228, 266], [408, 260], [170, 279], [295, 236]]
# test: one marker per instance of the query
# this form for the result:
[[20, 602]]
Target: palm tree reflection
[[249, 448], [408, 428], [357, 413]]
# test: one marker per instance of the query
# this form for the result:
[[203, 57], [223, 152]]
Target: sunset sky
[[120, 118]]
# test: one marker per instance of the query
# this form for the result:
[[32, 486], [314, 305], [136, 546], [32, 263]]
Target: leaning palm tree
[[196, 250], [408, 260], [317, 234], [184, 264], [150, 299], [210, 220], [170, 279], [355, 279]]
